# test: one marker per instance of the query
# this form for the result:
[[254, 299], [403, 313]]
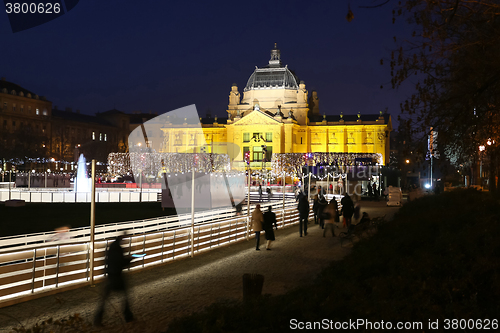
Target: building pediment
[[256, 117]]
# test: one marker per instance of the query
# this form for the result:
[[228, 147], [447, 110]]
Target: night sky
[[161, 55]]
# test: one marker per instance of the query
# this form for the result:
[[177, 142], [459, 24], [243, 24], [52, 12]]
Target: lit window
[[105, 137], [22, 108], [269, 137], [246, 137], [100, 136], [37, 112], [93, 135], [269, 154], [45, 112]]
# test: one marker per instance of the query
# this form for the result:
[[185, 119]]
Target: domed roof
[[273, 76]]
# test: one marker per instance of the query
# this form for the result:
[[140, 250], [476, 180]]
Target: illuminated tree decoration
[[291, 163], [154, 164]]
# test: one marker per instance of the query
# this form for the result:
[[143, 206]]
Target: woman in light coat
[[257, 219]]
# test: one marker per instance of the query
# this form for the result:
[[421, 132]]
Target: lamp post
[[248, 201], [10, 179], [46, 172], [92, 226]]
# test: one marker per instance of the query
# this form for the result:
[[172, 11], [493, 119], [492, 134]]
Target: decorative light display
[[154, 164], [290, 164]]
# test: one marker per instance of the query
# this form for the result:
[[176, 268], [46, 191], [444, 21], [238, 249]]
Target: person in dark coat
[[315, 209], [303, 208], [260, 193], [269, 221], [347, 210], [322, 203], [115, 263]]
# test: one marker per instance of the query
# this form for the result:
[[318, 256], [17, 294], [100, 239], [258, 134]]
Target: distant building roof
[[350, 117], [7, 87], [140, 118], [72, 116]]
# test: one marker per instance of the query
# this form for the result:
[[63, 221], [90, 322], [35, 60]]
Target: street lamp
[[264, 153]]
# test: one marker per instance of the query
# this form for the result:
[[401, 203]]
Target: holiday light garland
[[153, 164], [291, 164]]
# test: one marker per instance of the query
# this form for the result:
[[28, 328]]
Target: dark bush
[[438, 259]]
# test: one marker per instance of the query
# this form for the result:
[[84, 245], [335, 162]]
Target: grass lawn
[[39, 217]]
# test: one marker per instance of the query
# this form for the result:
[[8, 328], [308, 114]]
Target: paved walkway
[[163, 293]]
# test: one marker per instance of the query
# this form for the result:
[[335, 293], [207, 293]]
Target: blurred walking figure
[[322, 203], [239, 208], [269, 221], [115, 263], [315, 209], [329, 217], [269, 194], [257, 220], [303, 208], [61, 235], [260, 193]]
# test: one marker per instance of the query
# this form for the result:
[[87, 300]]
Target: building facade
[[35, 135], [276, 115]]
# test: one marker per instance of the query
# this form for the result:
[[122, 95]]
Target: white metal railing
[[38, 268], [58, 196]]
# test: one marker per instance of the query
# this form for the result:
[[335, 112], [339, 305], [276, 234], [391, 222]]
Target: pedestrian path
[[163, 293]]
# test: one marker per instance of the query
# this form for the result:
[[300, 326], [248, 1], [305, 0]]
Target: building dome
[[272, 78]]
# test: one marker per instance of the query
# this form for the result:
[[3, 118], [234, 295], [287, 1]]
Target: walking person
[[269, 221], [257, 220], [269, 194], [260, 193], [315, 209], [322, 203], [115, 263], [330, 217], [347, 210], [303, 208]]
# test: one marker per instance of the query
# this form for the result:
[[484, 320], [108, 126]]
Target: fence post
[[33, 273], [173, 247], [162, 244], [57, 266]]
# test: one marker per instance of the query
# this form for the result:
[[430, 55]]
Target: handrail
[[46, 266]]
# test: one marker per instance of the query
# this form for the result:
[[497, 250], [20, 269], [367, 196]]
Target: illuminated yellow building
[[275, 116]]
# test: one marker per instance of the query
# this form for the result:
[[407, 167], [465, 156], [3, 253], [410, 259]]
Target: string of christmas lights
[[153, 164], [291, 164]]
